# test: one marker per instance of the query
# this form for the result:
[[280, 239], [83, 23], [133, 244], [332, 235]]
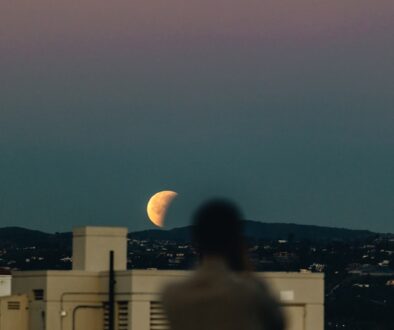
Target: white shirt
[[216, 298]]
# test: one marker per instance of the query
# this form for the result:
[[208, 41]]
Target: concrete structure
[[91, 246], [14, 313], [77, 299], [5, 282]]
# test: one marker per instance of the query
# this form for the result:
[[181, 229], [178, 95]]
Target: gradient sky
[[285, 106]]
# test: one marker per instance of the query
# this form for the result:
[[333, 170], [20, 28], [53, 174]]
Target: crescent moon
[[158, 205]]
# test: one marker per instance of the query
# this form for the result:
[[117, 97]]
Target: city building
[[81, 298]]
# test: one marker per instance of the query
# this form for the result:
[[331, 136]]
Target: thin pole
[[111, 293]]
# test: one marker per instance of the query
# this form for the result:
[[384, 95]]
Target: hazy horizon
[[188, 224]]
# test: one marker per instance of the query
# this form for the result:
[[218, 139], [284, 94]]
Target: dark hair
[[217, 230]]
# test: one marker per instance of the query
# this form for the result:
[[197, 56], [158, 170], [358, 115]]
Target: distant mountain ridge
[[266, 231], [255, 230], [19, 236]]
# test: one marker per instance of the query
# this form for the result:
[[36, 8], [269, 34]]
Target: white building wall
[[301, 295], [5, 285]]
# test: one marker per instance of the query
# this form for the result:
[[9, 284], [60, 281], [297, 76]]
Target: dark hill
[[266, 231], [261, 230], [22, 237], [176, 234]]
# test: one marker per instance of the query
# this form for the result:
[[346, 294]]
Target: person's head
[[217, 231]]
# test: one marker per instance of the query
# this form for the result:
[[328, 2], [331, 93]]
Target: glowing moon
[[158, 205]]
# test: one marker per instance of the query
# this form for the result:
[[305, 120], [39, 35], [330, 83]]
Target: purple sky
[[285, 106]]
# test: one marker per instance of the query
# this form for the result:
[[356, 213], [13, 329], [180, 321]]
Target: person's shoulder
[[173, 288], [257, 287], [251, 280], [175, 291]]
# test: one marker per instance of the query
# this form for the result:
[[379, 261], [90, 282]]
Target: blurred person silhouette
[[223, 293]]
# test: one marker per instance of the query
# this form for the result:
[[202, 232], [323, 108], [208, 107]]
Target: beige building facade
[[77, 299], [14, 312], [5, 282]]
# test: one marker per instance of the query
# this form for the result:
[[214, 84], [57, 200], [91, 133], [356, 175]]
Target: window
[[38, 294]]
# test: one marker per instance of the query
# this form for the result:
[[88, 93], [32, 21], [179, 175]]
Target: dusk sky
[[287, 107]]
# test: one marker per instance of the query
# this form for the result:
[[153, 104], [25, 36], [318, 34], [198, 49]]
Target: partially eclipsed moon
[[158, 205]]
